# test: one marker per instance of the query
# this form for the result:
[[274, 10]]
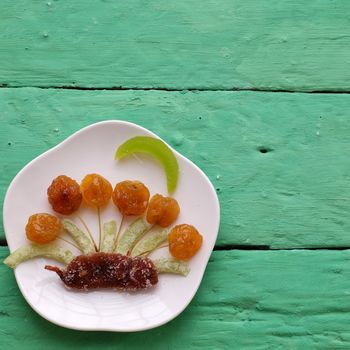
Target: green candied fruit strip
[[156, 148], [29, 251], [131, 235], [150, 242], [79, 236], [109, 231], [164, 265]]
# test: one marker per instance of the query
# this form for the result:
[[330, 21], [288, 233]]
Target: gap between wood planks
[[266, 247], [121, 88], [3, 243]]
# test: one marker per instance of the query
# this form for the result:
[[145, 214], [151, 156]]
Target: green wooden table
[[256, 93]]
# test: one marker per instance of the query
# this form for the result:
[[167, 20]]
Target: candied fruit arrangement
[[122, 263], [119, 260]]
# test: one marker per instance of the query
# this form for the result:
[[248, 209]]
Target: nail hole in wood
[[264, 150]]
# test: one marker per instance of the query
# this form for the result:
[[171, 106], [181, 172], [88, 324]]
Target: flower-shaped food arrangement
[[92, 209], [121, 257]]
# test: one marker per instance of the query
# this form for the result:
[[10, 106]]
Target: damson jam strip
[[108, 270]]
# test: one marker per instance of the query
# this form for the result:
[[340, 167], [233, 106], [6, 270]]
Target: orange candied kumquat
[[43, 228], [131, 197], [96, 190], [64, 195], [184, 241], [162, 211]]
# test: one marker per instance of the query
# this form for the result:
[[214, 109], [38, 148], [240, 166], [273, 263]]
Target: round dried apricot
[[43, 228], [96, 190], [64, 195], [184, 241], [131, 197], [162, 211]]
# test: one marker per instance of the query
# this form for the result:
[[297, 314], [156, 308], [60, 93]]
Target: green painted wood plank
[[248, 300], [295, 195], [265, 44]]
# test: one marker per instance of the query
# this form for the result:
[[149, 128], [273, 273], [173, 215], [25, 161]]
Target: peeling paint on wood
[[280, 162], [265, 44]]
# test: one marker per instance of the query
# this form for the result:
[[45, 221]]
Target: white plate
[[92, 150]]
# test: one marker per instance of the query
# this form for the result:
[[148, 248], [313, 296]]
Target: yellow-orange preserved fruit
[[96, 190], [162, 211], [131, 197], [43, 228], [184, 241]]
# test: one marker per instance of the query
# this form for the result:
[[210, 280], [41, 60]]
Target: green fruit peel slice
[[133, 232], [156, 148], [164, 265], [109, 232], [150, 242], [82, 240], [29, 251]]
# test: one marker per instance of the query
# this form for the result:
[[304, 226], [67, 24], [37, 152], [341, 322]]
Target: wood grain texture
[[276, 300], [297, 194], [263, 44]]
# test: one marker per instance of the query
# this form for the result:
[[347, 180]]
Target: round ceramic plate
[[91, 150]]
